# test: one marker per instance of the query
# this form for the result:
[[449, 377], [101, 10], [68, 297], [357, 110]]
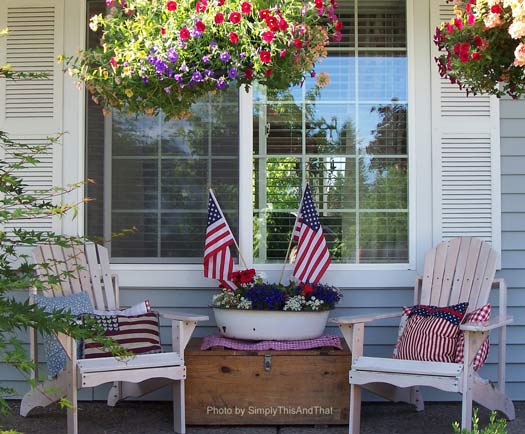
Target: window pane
[[347, 139], [141, 237], [381, 23], [134, 184], [383, 237]]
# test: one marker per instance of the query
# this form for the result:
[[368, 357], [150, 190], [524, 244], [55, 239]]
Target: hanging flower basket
[[165, 55], [484, 47]]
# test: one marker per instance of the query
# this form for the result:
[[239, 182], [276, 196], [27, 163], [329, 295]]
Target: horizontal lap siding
[[512, 115]]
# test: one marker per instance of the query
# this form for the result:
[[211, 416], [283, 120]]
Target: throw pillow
[[431, 333], [402, 324], [137, 309], [138, 334], [76, 304], [477, 316]]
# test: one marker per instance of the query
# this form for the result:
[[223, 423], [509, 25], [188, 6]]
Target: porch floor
[[155, 418]]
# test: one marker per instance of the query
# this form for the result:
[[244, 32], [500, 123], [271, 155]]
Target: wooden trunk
[[229, 387]]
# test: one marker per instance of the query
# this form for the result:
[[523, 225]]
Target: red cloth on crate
[[238, 344]]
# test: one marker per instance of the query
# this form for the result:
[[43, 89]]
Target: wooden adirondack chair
[[86, 268], [455, 271]]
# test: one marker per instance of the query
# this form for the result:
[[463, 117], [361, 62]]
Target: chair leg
[[72, 410], [355, 409], [179, 411]]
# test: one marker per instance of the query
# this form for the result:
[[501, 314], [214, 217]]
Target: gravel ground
[[155, 418]]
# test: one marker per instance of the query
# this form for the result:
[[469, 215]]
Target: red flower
[[268, 72], [476, 55], [267, 36], [465, 46], [247, 276], [458, 22], [201, 6], [496, 9], [162, 31], [457, 49], [220, 2], [338, 25], [283, 25], [234, 38], [219, 18], [113, 62], [200, 26], [235, 17], [450, 28], [171, 6], [312, 74], [307, 289], [246, 8], [248, 73], [265, 56], [264, 13], [319, 4], [184, 33], [464, 56], [282, 53], [478, 41], [272, 23], [298, 43]]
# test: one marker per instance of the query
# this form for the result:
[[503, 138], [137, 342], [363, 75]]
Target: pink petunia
[[235, 17], [246, 8], [184, 33], [265, 56], [268, 36], [219, 18], [171, 6]]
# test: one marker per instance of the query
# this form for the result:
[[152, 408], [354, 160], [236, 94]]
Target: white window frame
[[344, 275]]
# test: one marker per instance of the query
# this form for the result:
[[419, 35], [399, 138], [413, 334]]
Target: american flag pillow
[[477, 316], [137, 334], [431, 333]]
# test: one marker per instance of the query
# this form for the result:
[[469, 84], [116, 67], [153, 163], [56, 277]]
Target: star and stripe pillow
[[139, 334], [431, 333]]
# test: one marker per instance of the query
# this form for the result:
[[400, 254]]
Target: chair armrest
[[364, 318], [177, 316], [489, 325]]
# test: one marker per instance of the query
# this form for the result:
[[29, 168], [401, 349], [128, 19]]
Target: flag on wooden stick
[[218, 261], [312, 258]]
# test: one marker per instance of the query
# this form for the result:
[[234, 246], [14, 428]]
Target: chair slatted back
[[457, 271], [78, 268]]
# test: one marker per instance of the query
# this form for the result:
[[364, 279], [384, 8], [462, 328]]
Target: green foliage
[[19, 204], [164, 55], [495, 426]]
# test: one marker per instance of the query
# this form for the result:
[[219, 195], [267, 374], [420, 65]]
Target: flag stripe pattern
[[138, 334], [479, 316], [313, 257], [431, 333], [218, 262]]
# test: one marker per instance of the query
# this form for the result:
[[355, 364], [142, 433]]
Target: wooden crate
[[228, 387]]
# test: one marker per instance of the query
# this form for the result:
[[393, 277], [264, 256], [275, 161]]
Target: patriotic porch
[[247, 307]]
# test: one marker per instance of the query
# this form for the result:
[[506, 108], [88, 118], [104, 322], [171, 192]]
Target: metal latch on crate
[[267, 362]]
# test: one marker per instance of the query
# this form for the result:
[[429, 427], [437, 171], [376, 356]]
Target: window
[[347, 139]]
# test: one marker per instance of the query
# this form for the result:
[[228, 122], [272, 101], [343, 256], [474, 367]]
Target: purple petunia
[[145, 80], [221, 83], [173, 56], [195, 33], [206, 59], [242, 55], [232, 72], [197, 77], [167, 89], [213, 45], [209, 73], [225, 56], [183, 68]]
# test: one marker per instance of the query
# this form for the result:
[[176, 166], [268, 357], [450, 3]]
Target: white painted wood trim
[[495, 139]]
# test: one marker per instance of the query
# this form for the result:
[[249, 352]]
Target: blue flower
[[266, 297], [195, 33], [197, 77], [225, 56], [152, 60], [206, 59], [213, 45], [145, 80], [173, 56], [232, 72], [178, 78], [221, 83], [209, 73]]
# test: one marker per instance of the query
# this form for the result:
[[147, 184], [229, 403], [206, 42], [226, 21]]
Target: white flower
[[244, 304], [517, 29], [295, 303]]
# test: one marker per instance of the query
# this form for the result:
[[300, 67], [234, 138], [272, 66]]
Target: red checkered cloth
[[238, 344], [478, 316]]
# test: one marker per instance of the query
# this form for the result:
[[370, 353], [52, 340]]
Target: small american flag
[[218, 261], [297, 224], [313, 257]]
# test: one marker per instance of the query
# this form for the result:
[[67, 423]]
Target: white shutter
[[465, 156], [31, 110]]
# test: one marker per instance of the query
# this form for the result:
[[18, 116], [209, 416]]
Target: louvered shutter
[[31, 110], [466, 156]]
